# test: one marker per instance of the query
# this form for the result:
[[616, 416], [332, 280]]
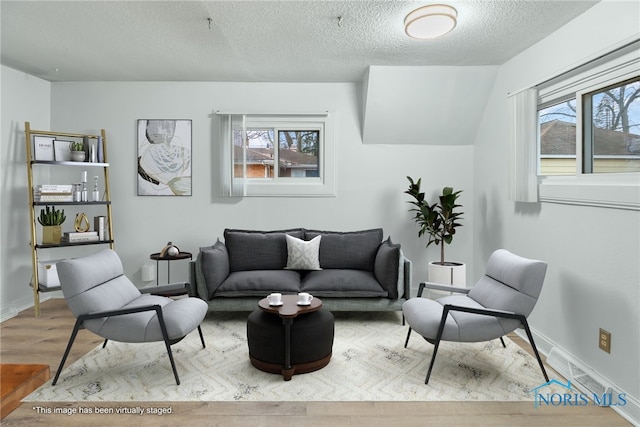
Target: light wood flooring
[[27, 339]]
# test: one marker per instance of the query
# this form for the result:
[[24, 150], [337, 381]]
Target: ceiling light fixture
[[431, 21]]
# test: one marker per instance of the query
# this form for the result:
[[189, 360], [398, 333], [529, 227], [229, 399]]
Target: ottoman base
[[290, 346], [277, 368]]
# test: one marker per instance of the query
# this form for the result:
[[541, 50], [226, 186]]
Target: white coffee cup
[[304, 298], [275, 298]]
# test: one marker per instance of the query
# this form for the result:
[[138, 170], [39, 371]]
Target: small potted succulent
[[77, 151], [51, 221], [438, 221]]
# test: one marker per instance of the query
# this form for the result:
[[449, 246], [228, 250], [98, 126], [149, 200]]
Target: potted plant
[[438, 221], [51, 220], [77, 151]]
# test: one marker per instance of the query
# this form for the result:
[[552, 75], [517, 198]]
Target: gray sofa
[[350, 271]]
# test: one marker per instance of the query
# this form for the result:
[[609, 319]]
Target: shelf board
[[48, 288], [71, 203], [67, 244], [42, 288], [85, 164]]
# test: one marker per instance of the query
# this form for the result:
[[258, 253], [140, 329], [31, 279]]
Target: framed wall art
[[164, 157]]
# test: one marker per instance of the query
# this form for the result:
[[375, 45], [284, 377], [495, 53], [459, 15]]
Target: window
[[589, 119], [277, 155], [576, 137], [611, 135], [610, 121], [296, 156], [557, 138]]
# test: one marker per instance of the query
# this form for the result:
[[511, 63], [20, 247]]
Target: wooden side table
[[157, 258]]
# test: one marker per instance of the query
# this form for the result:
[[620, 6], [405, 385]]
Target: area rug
[[369, 363]]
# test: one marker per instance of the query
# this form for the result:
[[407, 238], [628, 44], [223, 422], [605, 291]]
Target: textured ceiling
[[289, 41]]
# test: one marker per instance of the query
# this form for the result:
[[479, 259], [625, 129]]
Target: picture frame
[[62, 150], [164, 157], [43, 148]]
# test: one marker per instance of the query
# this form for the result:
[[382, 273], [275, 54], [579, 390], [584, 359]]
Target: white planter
[[451, 274]]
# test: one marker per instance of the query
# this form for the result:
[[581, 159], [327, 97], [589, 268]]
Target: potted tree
[[438, 221], [51, 220]]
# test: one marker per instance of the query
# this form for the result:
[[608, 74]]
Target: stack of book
[[53, 193], [79, 237]]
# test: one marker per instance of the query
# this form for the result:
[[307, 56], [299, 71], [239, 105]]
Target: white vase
[[450, 274]]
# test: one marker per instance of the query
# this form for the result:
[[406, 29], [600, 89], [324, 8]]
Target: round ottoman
[[311, 341]]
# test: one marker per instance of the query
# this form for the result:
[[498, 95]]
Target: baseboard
[[630, 411], [14, 308]]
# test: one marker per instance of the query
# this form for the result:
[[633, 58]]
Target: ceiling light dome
[[431, 21]]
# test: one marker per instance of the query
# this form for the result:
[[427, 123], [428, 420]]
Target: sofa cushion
[[258, 250], [342, 283], [354, 250], [386, 267], [259, 283], [214, 262], [303, 255]]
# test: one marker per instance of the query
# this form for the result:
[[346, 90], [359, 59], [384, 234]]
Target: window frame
[[321, 186], [612, 190]]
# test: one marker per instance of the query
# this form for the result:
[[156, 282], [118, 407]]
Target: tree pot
[[451, 274], [51, 234]]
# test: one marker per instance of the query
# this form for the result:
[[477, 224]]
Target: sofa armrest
[[406, 278], [211, 269], [170, 289]]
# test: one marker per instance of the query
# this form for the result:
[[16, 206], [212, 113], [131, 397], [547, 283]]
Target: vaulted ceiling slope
[[259, 41]]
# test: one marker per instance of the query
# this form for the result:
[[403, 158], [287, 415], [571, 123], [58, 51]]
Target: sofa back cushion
[[258, 250], [355, 250]]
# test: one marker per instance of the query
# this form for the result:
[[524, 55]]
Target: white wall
[[24, 98], [370, 179], [593, 278]]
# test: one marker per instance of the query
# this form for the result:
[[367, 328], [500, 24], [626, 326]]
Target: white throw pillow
[[302, 254]]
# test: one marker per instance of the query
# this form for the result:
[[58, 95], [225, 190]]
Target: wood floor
[[26, 339]]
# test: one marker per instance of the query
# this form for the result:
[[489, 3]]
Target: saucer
[[304, 303], [276, 305]]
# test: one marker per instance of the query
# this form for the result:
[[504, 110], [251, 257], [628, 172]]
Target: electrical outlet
[[604, 340]]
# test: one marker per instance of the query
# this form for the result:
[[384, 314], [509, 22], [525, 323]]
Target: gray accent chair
[[499, 303], [108, 304]]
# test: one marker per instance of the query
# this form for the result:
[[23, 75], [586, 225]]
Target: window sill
[[616, 191], [292, 189]]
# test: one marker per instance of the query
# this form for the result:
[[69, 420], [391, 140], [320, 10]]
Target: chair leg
[[72, 338], [436, 344], [173, 363], [433, 359], [503, 344], [533, 346], [165, 335], [105, 343], [201, 337], [406, 342]]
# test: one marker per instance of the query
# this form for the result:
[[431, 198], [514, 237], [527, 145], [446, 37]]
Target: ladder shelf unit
[[104, 203]]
